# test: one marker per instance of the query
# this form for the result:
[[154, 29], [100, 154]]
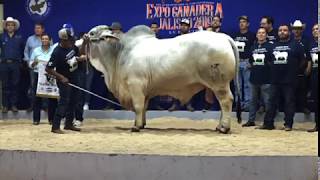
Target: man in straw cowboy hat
[[12, 46], [304, 71]]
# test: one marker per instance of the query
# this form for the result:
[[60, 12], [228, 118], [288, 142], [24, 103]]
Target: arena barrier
[[26, 165]]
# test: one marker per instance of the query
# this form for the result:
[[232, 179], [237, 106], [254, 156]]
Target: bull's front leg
[[138, 101]]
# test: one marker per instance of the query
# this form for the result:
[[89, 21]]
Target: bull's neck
[[112, 71]]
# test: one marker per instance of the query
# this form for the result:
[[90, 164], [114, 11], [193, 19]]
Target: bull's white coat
[[140, 66]]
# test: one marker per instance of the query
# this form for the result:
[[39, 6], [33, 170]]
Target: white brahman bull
[[139, 66]]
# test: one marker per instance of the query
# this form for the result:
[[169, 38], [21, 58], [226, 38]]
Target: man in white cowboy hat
[[297, 29], [304, 71], [12, 46]]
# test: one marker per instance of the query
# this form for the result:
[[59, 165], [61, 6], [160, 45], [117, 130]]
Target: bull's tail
[[237, 90]]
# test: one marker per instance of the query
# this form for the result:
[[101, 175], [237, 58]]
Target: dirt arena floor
[[165, 136]]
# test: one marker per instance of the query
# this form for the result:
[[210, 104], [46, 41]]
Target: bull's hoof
[[223, 130], [142, 127], [135, 129]]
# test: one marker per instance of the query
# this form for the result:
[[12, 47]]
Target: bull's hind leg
[[144, 121], [225, 98], [138, 101]]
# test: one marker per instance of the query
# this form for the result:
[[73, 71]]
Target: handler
[[65, 58]]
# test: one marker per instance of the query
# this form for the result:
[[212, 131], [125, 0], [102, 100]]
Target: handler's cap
[[65, 34], [69, 27]]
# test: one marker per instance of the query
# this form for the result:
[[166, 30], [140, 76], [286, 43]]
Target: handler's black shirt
[[59, 58]]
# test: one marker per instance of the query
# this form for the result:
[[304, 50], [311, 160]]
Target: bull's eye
[[91, 33]]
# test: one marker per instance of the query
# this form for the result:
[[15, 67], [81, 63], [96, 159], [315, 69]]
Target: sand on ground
[[163, 136]]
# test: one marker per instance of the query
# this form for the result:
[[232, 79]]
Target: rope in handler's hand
[[96, 95], [89, 92]]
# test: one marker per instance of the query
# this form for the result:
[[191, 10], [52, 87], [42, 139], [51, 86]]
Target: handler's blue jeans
[[66, 105]]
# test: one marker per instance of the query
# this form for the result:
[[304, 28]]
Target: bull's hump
[[140, 30]]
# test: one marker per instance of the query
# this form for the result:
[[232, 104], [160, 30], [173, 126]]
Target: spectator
[[216, 24], [260, 59], [244, 40], [302, 84], [267, 22], [12, 45], [116, 29], [41, 54], [33, 42], [84, 79], [88, 76], [288, 55], [314, 52], [155, 28]]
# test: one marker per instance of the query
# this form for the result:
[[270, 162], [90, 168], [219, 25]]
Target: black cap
[[244, 18]]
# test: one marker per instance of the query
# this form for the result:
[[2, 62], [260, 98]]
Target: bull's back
[[186, 58]]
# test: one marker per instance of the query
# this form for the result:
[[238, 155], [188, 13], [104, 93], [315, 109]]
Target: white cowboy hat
[[298, 24], [11, 19]]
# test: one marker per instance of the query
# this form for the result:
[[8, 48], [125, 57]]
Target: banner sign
[[46, 87], [169, 15]]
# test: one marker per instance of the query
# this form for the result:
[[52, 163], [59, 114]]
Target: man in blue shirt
[[244, 40], [33, 42], [12, 45], [288, 57]]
